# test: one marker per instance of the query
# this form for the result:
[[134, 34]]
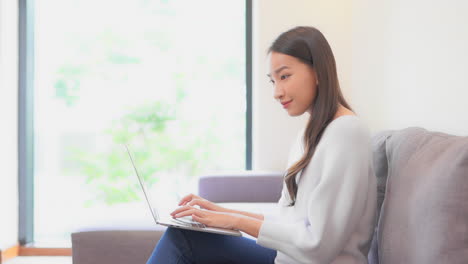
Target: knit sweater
[[334, 215]]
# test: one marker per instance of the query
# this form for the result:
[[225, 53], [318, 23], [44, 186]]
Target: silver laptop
[[183, 222]]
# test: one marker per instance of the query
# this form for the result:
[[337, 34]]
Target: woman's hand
[[193, 200], [244, 223], [208, 217], [213, 215], [208, 213]]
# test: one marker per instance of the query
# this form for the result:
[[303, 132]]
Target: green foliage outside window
[[156, 131]]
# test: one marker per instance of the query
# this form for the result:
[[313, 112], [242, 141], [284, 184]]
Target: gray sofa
[[422, 193]]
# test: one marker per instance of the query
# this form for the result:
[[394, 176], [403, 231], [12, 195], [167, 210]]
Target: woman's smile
[[286, 104]]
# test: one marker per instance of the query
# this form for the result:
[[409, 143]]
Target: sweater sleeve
[[334, 205], [294, 155]]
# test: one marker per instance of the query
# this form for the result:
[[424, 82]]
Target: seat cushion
[[424, 216]]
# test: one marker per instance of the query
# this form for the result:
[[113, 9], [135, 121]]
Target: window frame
[[25, 121]]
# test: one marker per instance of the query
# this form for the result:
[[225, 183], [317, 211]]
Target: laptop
[[183, 222]]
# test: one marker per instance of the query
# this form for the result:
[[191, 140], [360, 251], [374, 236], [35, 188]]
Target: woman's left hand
[[210, 218]]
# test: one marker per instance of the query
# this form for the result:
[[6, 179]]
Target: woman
[[327, 209]]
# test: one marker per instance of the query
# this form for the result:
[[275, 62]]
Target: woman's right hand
[[193, 200]]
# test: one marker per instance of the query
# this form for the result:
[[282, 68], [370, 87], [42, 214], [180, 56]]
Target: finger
[[198, 212], [185, 213], [188, 198], [181, 209], [198, 202], [185, 199], [200, 219]]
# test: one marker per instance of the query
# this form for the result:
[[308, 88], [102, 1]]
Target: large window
[[166, 77]]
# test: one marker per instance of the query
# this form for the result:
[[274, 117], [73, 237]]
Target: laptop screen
[[143, 186]]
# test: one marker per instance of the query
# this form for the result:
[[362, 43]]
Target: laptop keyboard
[[199, 225], [189, 223]]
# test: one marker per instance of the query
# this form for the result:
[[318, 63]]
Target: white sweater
[[335, 212]]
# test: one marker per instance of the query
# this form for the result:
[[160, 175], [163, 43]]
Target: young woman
[[327, 210]]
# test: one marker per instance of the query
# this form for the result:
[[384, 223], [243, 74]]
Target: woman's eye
[[273, 82], [284, 77]]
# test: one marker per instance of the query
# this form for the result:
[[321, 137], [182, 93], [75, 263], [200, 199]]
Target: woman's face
[[295, 83]]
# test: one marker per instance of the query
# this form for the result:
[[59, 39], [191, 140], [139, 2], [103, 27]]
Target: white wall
[[400, 63], [418, 70], [8, 124]]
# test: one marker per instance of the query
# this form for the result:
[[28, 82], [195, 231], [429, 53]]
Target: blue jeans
[[179, 246]]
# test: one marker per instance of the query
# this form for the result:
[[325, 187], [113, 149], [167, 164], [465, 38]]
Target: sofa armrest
[[247, 186]]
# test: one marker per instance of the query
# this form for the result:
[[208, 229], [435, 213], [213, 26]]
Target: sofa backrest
[[246, 186], [423, 197]]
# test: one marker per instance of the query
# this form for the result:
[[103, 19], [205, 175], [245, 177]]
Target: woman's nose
[[279, 92]]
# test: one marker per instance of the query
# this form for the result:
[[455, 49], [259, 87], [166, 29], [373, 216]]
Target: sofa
[[422, 214]]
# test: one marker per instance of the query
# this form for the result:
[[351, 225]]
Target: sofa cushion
[[380, 163], [424, 217]]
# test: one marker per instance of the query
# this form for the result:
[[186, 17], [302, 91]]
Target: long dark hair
[[310, 46]]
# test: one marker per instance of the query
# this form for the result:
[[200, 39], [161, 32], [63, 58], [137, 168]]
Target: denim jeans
[[179, 246]]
